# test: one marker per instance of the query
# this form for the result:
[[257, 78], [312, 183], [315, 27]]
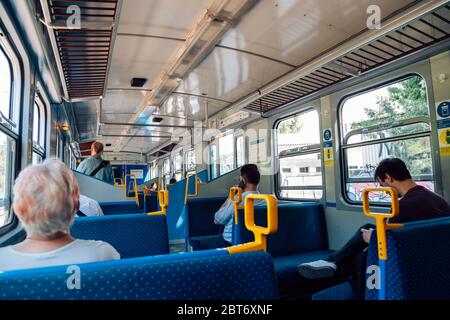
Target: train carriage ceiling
[[202, 57]]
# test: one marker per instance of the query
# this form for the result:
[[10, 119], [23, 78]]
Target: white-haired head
[[46, 198]]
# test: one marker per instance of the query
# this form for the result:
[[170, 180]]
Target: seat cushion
[[205, 242], [291, 283], [342, 291]]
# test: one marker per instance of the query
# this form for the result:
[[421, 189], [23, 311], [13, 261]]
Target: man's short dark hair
[[250, 173], [394, 167], [97, 147]]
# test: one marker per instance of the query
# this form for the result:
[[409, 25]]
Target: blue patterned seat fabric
[[200, 219], [132, 235], [110, 208], [417, 265], [418, 261], [343, 291], [207, 275], [301, 237]]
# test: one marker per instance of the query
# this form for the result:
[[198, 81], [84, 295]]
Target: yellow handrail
[[196, 184], [144, 190], [136, 196], [259, 232], [163, 198], [233, 192], [381, 218]]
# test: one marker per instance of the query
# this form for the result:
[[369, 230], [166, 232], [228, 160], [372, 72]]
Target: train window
[[178, 166], [389, 121], [213, 161], [154, 170], [240, 151], [8, 137], [39, 124], [226, 154], [299, 157], [189, 158], [7, 150], [166, 170], [5, 85]]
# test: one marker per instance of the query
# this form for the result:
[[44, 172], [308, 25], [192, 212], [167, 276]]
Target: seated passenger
[[250, 177], [89, 207], [153, 187], [416, 203], [46, 199], [172, 180]]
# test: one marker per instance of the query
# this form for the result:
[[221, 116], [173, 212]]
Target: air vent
[[157, 119], [138, 82]]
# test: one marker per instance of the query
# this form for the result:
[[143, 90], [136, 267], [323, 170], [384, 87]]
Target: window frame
[[223, 135], [343, 163], [11, 85], [312, 149], [236, 164], [11, 126], [185, 161], [180, 171], [39, 147], [164, 174], [214, 144]]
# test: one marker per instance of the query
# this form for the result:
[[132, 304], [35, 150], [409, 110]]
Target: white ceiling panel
[[121, 101], [229, 74], [294, 31], [169, 18], [139, 57]]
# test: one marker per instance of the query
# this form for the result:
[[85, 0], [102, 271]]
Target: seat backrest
[[151, 202], [418, 261], [132, 235], [301, 228], [200, 216], [205, 275], [122, 207]]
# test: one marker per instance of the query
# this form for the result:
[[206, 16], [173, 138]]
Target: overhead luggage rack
[[83, 51], [428, 30]]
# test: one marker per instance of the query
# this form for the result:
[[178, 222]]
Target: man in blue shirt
[[95, 166], [250, 177]]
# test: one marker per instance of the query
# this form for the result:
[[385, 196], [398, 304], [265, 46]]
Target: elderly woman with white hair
[[46, 199]]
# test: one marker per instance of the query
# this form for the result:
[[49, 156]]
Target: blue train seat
[[210, 275], [151, 202], [200, 220], [132, 235], [121, 207], [418, 260], [301, 237]]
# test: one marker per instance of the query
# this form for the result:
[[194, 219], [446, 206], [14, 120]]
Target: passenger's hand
[[366, 234]]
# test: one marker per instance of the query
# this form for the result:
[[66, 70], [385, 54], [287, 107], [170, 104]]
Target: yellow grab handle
[[381, 218], [233, 192], [163, 198], [196, 184], [259, 232], [144, 190]]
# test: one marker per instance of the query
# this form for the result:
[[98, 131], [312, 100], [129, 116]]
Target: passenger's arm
[[224, 214]]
